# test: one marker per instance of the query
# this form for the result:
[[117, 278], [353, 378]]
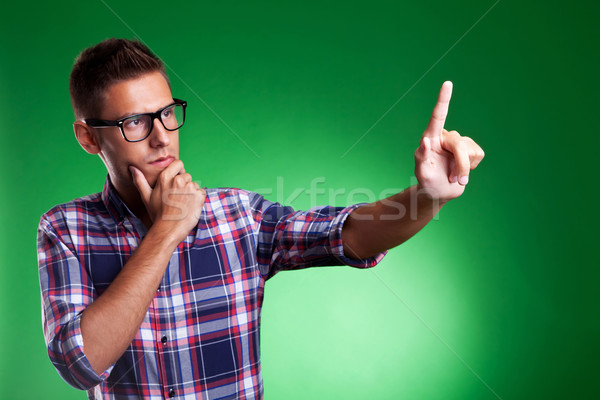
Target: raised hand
[[444, 158], [175, 202]]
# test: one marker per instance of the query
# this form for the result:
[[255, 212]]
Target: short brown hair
[[98, 67]]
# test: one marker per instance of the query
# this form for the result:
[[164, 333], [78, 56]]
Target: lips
[[163, 162]]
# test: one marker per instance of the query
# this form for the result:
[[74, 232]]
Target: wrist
[[426, 198], [164, 234]]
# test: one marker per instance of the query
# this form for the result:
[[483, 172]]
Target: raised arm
[[443, 161]]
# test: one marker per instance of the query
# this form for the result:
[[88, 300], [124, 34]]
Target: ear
[[86, 137]]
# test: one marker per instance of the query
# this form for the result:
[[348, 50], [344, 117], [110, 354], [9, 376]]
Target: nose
[[159, 137]]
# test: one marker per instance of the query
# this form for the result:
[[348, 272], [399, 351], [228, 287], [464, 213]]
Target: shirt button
[[163, 340], [172, 393]]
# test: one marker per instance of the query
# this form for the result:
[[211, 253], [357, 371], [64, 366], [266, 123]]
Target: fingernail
[[453, 179], [463, 180]]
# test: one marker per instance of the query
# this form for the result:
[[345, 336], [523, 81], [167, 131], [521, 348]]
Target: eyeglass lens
[[137, 127]]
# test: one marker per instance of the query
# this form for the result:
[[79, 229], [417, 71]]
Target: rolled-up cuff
[[337, 247], [71, 362]]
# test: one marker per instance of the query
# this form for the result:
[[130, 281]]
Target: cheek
[[119, 160], [175, 146]]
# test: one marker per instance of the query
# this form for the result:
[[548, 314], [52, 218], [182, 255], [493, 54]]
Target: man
[[153, 287]]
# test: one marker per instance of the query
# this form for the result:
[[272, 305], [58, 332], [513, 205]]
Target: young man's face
[[148, 93]]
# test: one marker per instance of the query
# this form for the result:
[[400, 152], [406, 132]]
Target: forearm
[[379, 226], [109, 324]]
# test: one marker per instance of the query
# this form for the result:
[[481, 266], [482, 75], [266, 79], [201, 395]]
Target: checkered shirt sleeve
[[66, 291]]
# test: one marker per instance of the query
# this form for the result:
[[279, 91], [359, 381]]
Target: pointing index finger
[[440, 111]]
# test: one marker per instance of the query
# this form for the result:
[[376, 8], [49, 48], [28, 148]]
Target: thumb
[[141, 184], [426, 147]]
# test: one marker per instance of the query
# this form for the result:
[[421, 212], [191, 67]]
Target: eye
[[133, 123], [168, 112]]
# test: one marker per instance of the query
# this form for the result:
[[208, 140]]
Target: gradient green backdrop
[[495, 299]]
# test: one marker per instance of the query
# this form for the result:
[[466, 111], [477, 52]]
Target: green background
[[494, 299]]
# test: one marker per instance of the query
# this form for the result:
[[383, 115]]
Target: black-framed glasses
[[136, 128]]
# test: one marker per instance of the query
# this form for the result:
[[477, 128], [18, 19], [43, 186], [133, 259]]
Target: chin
[[151, 180], [151, 177]]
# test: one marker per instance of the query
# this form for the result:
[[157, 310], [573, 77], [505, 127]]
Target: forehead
[[146, 93]]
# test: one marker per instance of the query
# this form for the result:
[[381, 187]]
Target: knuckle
[[437, 116], [163, 179], [179, 181]]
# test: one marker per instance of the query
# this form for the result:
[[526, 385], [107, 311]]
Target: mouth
[[163, 162]]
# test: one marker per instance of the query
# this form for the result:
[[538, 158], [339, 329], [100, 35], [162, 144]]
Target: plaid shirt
[[200, 336]]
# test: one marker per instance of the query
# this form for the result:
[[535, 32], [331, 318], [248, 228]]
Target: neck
[[132, 199]]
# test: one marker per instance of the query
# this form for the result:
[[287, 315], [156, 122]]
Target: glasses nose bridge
[[162, 134], [157, 115], [153, 116]]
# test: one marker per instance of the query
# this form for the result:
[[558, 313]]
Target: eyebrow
[[126, 115]]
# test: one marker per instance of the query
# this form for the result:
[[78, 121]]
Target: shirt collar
[[115, 206]]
